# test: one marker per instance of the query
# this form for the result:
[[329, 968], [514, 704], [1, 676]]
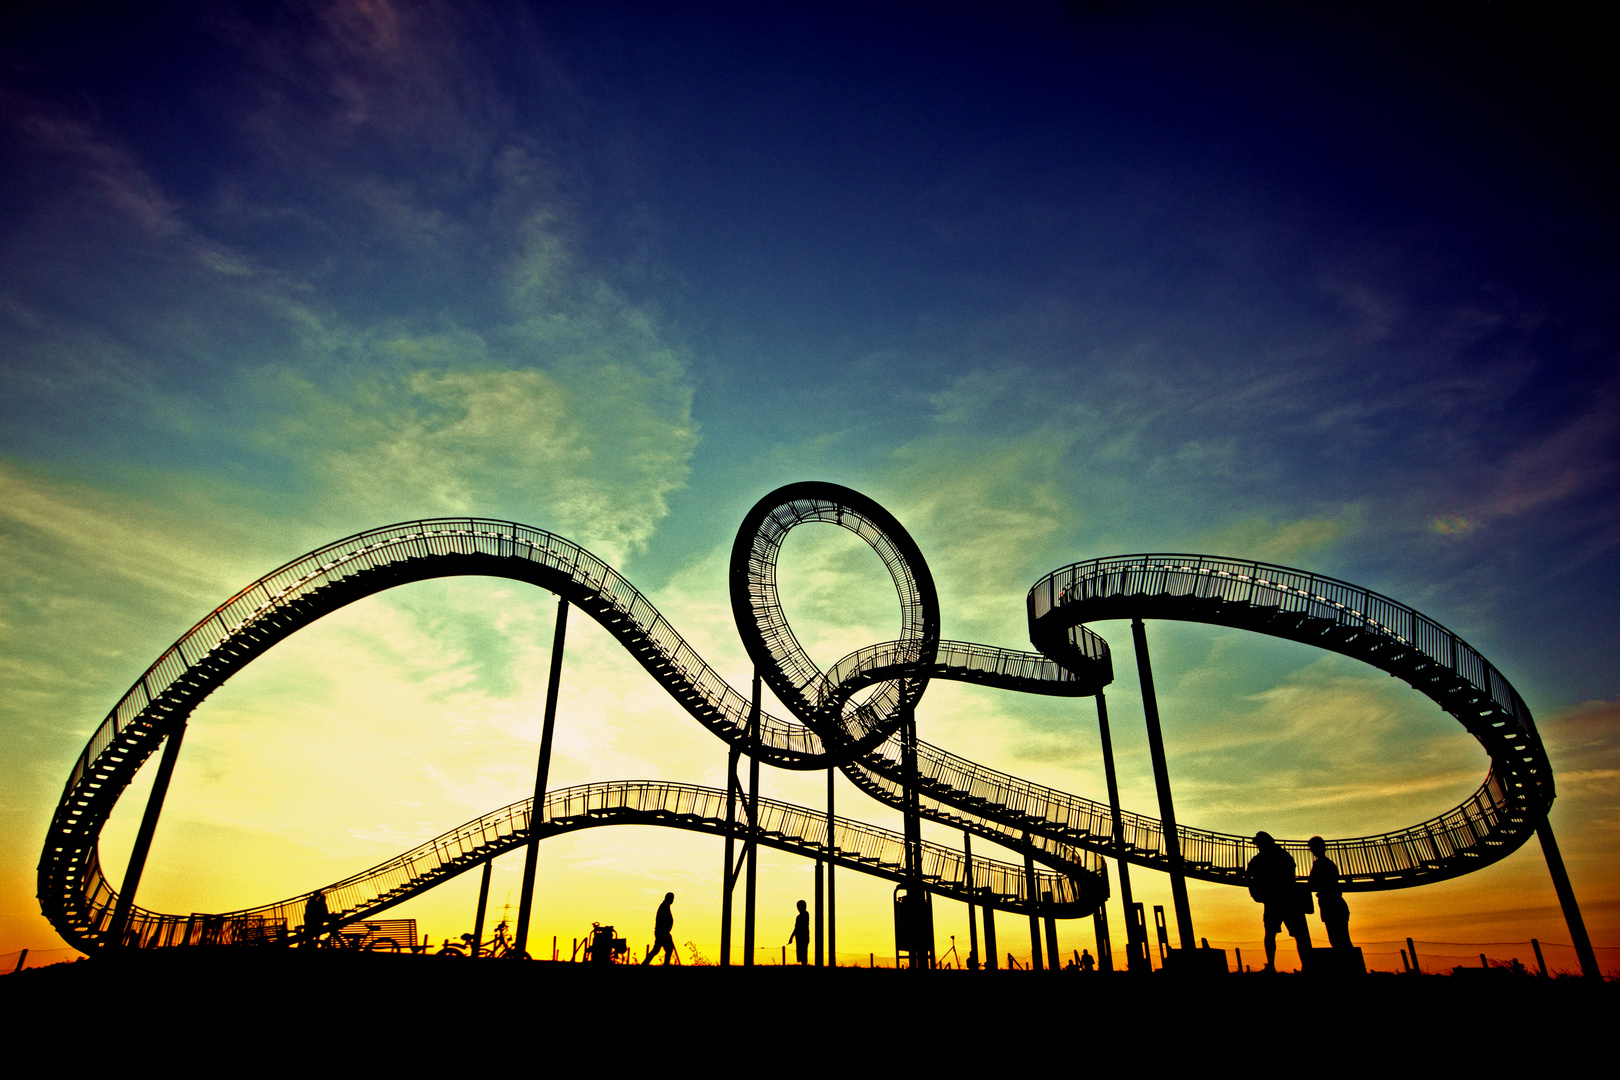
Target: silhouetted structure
[[663, 924], [858, 717]]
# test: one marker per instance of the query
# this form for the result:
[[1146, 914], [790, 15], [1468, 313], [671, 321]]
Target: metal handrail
[[856, 845]]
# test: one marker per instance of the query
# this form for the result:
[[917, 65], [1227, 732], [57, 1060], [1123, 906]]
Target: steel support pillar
[[1054, 959], [967, 886], [531, 854], [728, 874], [1566, 897], [1136, 957], [820, 921], [1099, 926], [991, 957], [753, 828], [478, 919], [918, 958], [1161, 779], [1036, 963], [832, 906], [143, 838]]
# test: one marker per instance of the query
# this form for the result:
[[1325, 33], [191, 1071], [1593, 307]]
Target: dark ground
[[344, 1003]]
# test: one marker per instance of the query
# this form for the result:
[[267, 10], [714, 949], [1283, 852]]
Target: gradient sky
[[1054, 282]]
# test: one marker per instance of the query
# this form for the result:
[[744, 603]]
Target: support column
[[728, 874], [918, 956], [143, 838], [832, 906], [967, 885], [483, 901], [1099, 926], [1161, 779], [531, 855], [820, 922], [1054, 959], [1136, 958], [1036, 963], [753, 827], [1566, 897], [991, 956]]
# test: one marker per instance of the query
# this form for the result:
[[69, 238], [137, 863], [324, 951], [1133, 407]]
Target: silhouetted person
[[1329, 899], [662, 925], [1271, 882], [1086, 961], [801, 934], [315, 916]]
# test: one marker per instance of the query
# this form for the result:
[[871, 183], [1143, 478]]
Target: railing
[[856, 844]]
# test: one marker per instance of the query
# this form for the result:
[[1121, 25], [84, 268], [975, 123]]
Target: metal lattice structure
[[847, 717]]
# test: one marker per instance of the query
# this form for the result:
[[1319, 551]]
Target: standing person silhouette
[[801, 934], [315, 917], [1271, 882], [662, 925], [1329, 899]]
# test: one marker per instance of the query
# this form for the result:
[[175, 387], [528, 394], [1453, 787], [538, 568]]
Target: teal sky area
[[1333, 290]]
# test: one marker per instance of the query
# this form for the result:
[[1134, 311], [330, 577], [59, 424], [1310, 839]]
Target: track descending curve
[[846, 717], [799, 830]]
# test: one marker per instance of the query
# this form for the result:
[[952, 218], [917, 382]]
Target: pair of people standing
[[1272, 883]]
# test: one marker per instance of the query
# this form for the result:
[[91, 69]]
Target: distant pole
[[1566, 897], [478, 920], [1135, 951], [832, 907], [1161, 778], [753, 827], [967, 884], [143, 838], [531, 856]]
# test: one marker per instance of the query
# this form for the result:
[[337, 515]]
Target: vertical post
[[143, 838], [1034, 897], [1161, 779], [753, 827], [531, 856], [483, 899], [991, 957], [1412, 949], [820, 922], [1136, 958], [1099, 926], [1566, 897], [832, 907], [918, 956], [1540, 961], [1054, 958], [967, 885], [728, 873]]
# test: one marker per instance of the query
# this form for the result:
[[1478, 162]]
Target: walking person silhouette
[[662, 925], [801, 934], [1272, 883]]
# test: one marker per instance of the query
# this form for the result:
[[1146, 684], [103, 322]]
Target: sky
[[1333, 290]]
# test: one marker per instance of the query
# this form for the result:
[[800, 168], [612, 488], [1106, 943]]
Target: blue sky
[[1335, 291]]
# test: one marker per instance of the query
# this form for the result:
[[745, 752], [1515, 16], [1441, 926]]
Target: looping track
[[849, 714]]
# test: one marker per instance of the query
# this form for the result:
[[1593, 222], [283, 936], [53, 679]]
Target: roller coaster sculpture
[[856, 717]]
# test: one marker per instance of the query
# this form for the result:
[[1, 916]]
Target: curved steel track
[[849, 714]]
